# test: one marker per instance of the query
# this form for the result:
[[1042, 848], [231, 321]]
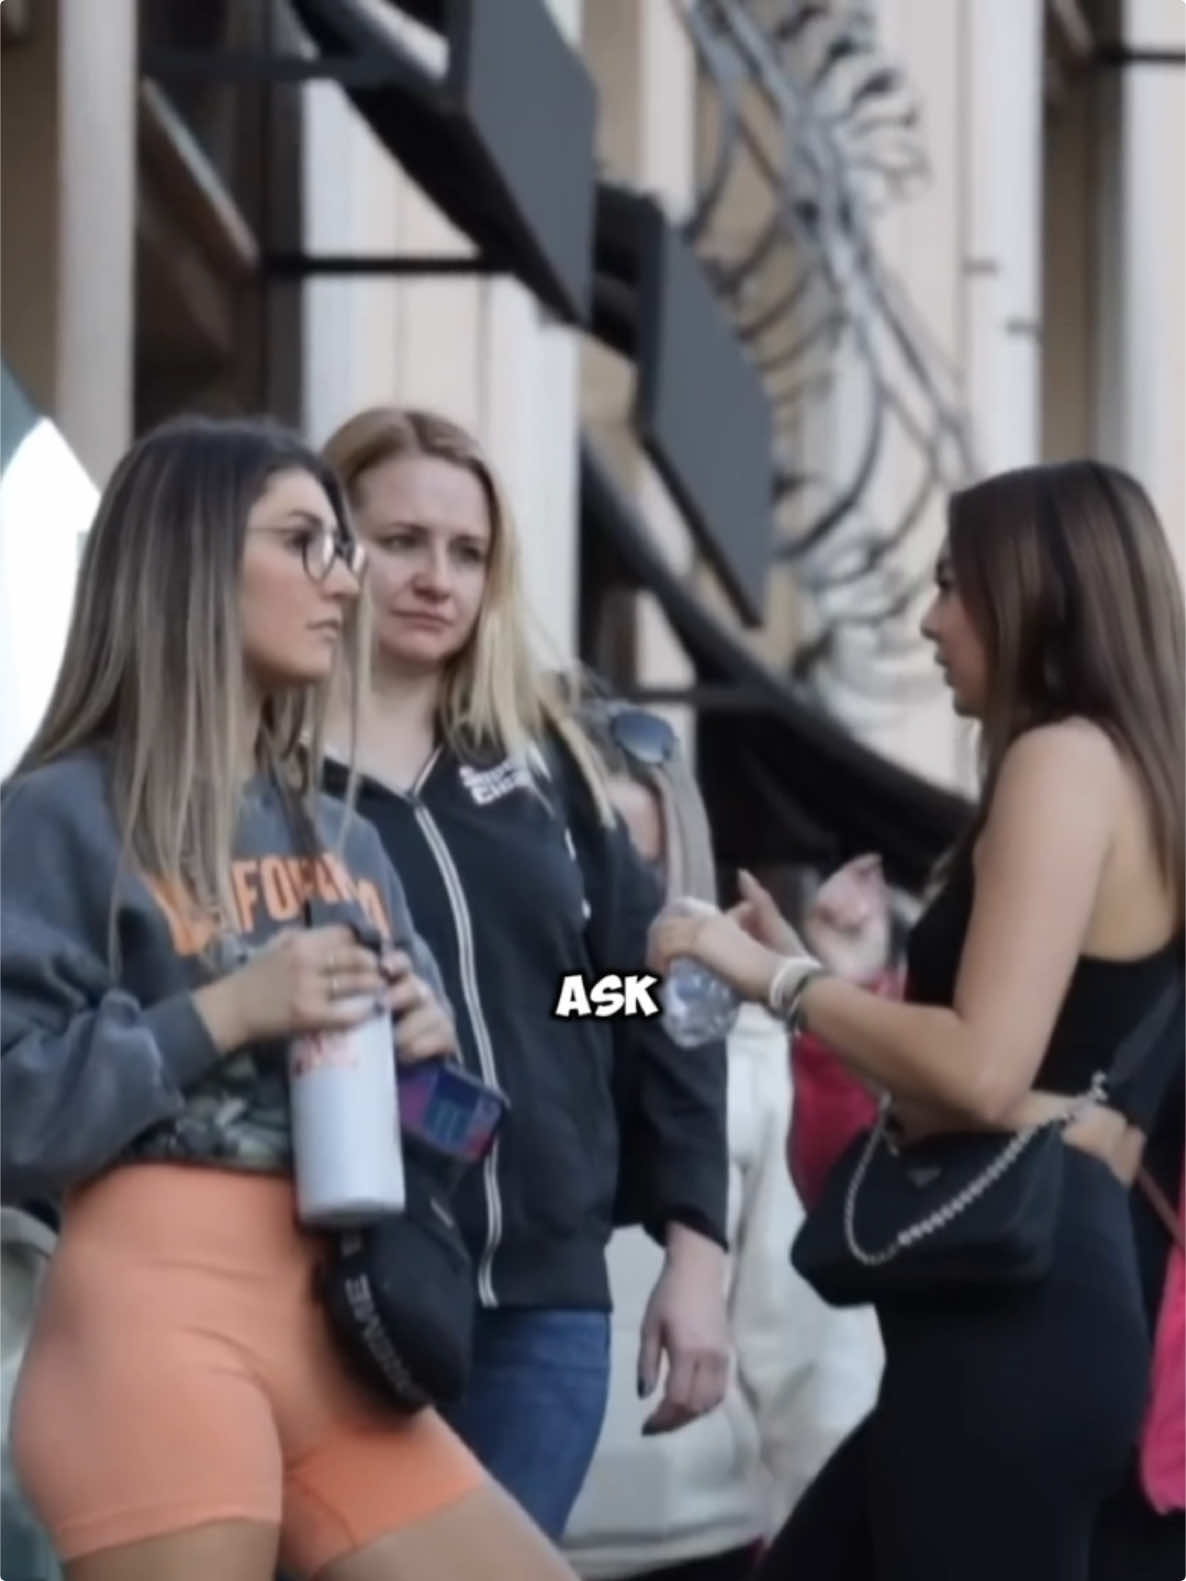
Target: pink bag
[[829, 1106], [849, 928], [1163, 1437]]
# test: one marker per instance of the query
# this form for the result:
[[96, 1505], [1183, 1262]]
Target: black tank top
[[1105, 1000]]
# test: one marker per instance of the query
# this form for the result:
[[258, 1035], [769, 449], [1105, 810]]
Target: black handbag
[[959, 1209]]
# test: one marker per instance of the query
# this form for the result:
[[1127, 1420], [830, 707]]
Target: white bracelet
[[796, 1014], [788, 983]]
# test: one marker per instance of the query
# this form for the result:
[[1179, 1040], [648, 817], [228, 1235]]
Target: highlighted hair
[[494, 694]]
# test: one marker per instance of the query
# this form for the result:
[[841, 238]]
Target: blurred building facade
[[1036, 242]]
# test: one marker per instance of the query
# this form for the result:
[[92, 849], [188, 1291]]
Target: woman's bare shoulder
[[1069, 756], [1058, 789], [1076, 742]]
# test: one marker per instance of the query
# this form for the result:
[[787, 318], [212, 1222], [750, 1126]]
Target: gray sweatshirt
[[98, 1068]]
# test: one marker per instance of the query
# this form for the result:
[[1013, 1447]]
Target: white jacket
[[803, 1374]]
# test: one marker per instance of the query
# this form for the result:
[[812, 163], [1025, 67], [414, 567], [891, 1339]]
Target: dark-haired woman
[[1007, 1416]]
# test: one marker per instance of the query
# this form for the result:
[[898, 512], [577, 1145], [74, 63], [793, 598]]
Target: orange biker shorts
[[180, 1371]]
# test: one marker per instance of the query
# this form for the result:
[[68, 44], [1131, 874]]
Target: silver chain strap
[[962, 1200]]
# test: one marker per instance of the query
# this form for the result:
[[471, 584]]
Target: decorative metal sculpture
[[802, 103]]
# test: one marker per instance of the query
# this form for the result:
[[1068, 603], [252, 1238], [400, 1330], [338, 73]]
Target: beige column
[[68, 182], [1003, 71], [1141, 378], [642, 59], [351, 205], [528, 395]]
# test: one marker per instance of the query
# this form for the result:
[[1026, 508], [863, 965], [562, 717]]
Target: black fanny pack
[[400, 1293]]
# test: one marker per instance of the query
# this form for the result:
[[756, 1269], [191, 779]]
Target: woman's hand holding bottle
[[321, 980], [753, 947], [718, 942]]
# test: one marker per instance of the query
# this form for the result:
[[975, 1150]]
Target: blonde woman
[[182, 1412], [488, 797], [1009, 1413]]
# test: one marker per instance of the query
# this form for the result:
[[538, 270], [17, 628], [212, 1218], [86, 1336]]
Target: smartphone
[[446, 1108]]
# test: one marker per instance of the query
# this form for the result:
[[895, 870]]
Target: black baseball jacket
[[514, 881]]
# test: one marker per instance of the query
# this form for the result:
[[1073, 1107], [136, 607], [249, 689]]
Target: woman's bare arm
[[1038, 868], [1039, 864]]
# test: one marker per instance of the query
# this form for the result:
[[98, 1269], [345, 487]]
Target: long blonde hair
[[493, 692], [153, 663], [689, 867], [1068, 578]]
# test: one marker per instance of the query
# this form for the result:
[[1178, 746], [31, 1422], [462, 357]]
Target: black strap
[[1131, 1053], [308, 845]]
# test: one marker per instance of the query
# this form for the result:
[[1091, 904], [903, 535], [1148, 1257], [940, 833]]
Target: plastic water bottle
[[344, 1101], [697, 1006]]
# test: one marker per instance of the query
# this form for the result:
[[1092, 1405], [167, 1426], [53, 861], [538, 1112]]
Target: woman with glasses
[[182, 1412], [488, 797]]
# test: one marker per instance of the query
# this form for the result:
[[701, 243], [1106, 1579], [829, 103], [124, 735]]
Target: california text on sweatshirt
[[99, 1066]]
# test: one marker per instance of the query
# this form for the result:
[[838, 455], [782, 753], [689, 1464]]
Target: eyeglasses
[[321, 546], [645, 737]]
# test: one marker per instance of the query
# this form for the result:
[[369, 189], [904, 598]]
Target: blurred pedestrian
[[848, 927], [697, 1505]]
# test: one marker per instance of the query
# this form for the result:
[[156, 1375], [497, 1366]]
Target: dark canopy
[[503, 143]]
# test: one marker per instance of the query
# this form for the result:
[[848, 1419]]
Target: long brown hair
[[153, 663], [1068, 577], [493, 692]]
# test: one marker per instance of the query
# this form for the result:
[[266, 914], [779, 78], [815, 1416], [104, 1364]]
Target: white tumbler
[[345, 1126]]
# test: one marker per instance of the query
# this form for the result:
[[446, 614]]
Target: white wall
[[46, 505], [1145, 388], [96, 342], [69, 146], [1002, 198], [69, 248], [642, 59]]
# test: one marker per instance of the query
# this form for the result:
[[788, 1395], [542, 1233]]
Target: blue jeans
[[535, 1403]]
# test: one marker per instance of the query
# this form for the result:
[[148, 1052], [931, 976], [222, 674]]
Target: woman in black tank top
[[1008, 1416]]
